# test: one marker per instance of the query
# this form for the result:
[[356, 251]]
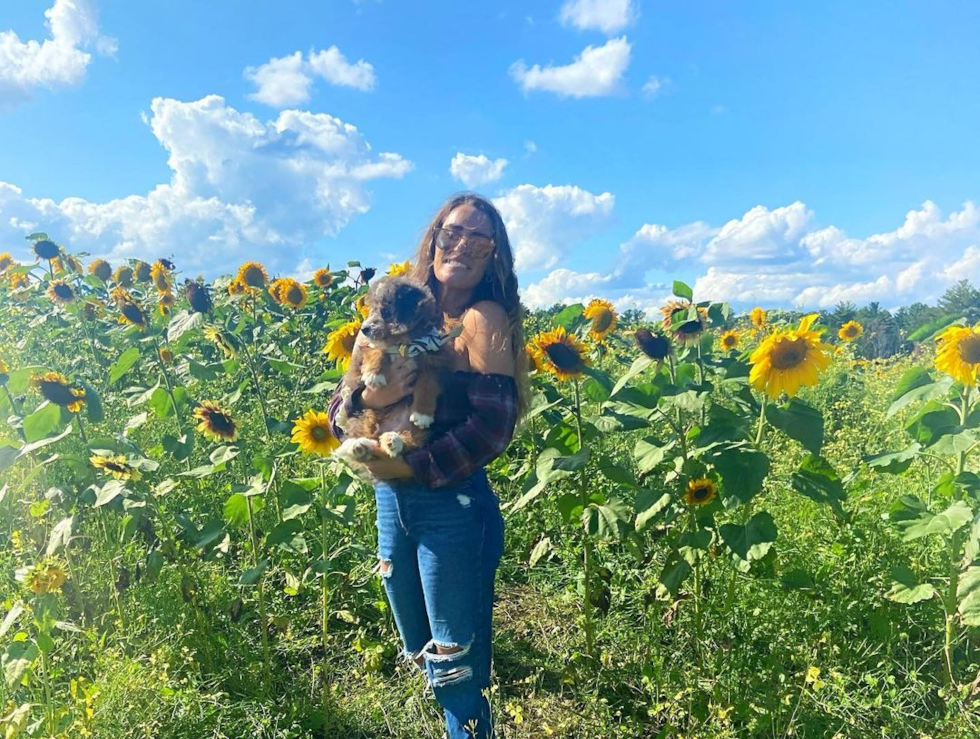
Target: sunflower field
[[718, 525]]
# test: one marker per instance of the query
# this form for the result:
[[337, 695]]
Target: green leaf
[[93, 404], [610, 519], [16, 660], [252, 575], [161, 404], [570, 507], [753, 540], [180, 448], [906, 587], [236, 509], [675, 572], [182, 322], [111, 490], [595, 390], [11, 618], [798, 421], [287, 368], [968, 595], [971, 548], [916, 384], [45, 421], [818, 481], [210, 534], [650, 452], [204, 372], [8, 455], [682, 290], [540, 549], [639, 365], [649, 505], [894, 463], [28, 448], [618, 474], [60, 536], [567, 317], [223, 454], [610, 422], [743, 468], [126, 361], [927, 524], [288, 536], [933, 421]]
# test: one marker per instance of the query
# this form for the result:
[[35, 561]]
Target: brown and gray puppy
[[404, 320]]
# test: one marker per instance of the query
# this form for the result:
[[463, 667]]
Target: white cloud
[[474, 171], [58, 61], [608, 16], [286, 81], [597, 71], [779, 257], [530, 147], [654, 85], [545, 222], [240, 188]]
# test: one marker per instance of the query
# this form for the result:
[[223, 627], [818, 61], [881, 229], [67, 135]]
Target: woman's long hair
[[499, 283]]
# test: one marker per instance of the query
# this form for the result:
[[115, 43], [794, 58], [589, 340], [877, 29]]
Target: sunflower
[[197, 296], [215, 421], [313, 433], [220, 340], [132, 314], [101, 269], [652, 343], [340, 343], [252, 274], [700, 491], [160, 277], [850, 331], [322, 277], [6, 261], [60, 292], [123, 276], [121, 295], [758, 318], [19, 280], [684, 331], [166, 303], [55, 388], [730, 340], [237, 287], [142, 271], [74, 264], [4, 371], [45, 578], [57, 265], [291, 293], [789, 359], [166, 355], [46, 249], [559, 353], [361, 306], [958, 353], [117, 466], [603, 317], [277, 286], [399, 269]]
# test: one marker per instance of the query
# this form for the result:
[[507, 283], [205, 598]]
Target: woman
[[440, 532]]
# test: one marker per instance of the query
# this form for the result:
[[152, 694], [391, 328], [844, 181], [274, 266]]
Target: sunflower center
[[254, 277], [702, 492], [602, 321], [970, 349], [63, 291], [789, 353], [220, 422], [730, 341], [57, 393], [563, 357], [294, 295], [319, 433]]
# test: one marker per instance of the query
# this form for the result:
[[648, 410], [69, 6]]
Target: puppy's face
[[400, 308]]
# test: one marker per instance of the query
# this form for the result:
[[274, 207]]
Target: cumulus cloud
[[544, 223], [287, 80], [240, 188], [780, 256], [58, 61], [608, 16], [474, 171], [597, 71]]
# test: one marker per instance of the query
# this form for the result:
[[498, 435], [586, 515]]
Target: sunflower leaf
[[743, 468], [123, 364], [817, 480], [916, 384], [43, 422], [798, 421], [906, 587], [675, 572], [968, 595], [926, 523], [683, 290], [753, 540], [894, 462]]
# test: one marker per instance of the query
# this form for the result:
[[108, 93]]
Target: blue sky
[[766, 152]]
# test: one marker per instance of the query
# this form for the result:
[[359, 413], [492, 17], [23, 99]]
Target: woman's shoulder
[[485, 314], [487, 338]]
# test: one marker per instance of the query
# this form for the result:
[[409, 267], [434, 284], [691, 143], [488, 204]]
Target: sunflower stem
[[81, 427], [587, 543], [266, 674], [955, 545], [258, 391], [325, 600], [762, 421]]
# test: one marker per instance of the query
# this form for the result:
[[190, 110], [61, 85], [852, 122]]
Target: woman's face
[[458, 268]]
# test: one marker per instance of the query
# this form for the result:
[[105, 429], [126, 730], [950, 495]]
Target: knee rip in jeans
[[445, 660], [385, 567]]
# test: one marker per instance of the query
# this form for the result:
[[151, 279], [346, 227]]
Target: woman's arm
[[492, 395]]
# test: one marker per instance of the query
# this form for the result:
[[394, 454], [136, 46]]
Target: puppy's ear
[[407, 299]]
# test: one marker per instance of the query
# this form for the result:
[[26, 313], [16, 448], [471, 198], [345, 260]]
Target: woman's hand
[[388, 468], [400, 375]]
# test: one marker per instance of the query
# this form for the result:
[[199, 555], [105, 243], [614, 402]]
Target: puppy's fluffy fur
[[405, 319]]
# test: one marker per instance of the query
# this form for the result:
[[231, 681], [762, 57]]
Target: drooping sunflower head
[[253, 274], [730, 340], [603, 317], [46, 249], [166, 356], [6, 261], [958, 353], [215, 421], [313, 433], [115, 465], [123, 276], [46, 577], [166, 303], [684, 321], [142, 271], [55, 388], [101, 269], [293, 294], [160, 276], [60, 292], [361, 305], [197, 296], [340, 343], [72, 263], [654, 344], [700, 491], [399, 269], [560, 353], [132, 314], [787, 360], [758, 318], [221, 340], [322, 277], [850, 331]]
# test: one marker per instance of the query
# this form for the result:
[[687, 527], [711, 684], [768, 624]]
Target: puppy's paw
[[422, 420], [357, 450], [373, 381], [391, 444]]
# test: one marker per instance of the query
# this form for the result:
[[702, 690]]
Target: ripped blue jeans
[[439, 549]]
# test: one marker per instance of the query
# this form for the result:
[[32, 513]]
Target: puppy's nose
[[368, 329]]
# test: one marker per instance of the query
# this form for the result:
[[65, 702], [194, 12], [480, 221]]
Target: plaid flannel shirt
[[464, 447]]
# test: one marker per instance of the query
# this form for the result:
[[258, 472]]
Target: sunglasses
[[474, 245]]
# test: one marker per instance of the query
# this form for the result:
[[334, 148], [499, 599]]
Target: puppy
[[404, 319]]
